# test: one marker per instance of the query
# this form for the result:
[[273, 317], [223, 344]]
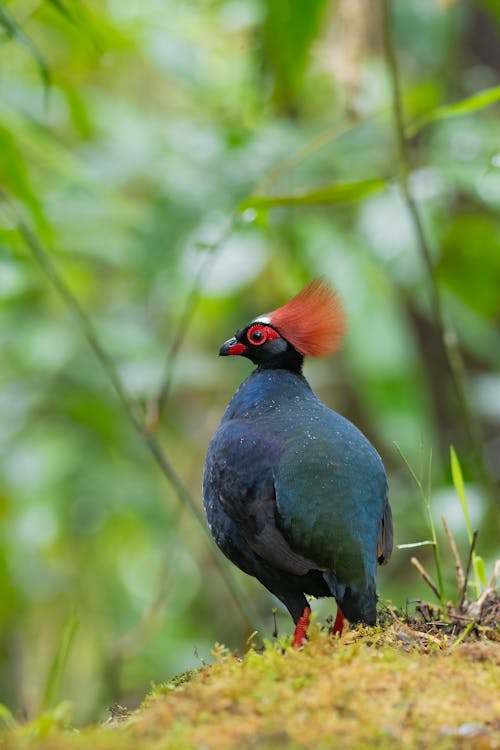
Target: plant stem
[[73, 305], [426, 497], [446, 334], [437, 553], [156, 406], [467, 569], [58, 666]]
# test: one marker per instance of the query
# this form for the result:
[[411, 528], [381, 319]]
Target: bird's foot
[[338, 625], [300, 633]]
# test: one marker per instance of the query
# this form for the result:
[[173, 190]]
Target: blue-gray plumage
[[294, 493]]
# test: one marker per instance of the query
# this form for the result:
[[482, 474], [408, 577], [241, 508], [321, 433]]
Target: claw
[[300, 633]]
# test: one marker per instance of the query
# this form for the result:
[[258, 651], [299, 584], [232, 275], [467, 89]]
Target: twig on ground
[[426, 576], [458, 563], [489, 593], [418, 634]]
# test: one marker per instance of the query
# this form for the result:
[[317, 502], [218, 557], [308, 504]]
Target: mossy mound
[[394, 688]]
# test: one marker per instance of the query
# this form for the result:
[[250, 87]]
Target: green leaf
[[14, 175], [6, 717], [43, 148], [340, 192], [470, 260], [14, 31], [458, 483], [47, 722], [456, 474], [289, 29], [466, 106], [62, 9], [480, 569]]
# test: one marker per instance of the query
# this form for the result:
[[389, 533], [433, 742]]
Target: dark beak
[[231, 346]]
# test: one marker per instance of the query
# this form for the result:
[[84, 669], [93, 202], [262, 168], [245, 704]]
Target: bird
[[294, 494]]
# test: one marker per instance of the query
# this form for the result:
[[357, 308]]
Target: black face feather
[[263, 345]]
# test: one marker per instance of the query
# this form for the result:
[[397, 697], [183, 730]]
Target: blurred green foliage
[[133, 136]]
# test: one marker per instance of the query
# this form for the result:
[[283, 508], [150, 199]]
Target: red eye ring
[[259, 334]]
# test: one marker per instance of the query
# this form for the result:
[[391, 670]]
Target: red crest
[[313, 321]]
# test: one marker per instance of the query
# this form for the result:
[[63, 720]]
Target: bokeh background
[[132, 137]]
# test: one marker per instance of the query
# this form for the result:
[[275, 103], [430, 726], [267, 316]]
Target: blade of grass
[[458, 482], [480, 569], [426, 498], [463, 635], [58, 666], [408, 465]]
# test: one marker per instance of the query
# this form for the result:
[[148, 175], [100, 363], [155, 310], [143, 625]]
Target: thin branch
[[131, 642], [426, 577], [322, 139], [446, 334], [73, 305], [156, 406], [458, 563]]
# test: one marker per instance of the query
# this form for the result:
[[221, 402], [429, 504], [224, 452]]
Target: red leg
[[338, 625], [300, 633]]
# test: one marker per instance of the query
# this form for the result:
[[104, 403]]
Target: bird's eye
[[257, 335]]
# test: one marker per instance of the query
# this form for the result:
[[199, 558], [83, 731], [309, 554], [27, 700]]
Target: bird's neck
[[289, 360], [267, 388]]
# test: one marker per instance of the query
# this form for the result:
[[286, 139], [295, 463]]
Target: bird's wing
[[331, 492], [240, 475], [385, 536], [258, 525]]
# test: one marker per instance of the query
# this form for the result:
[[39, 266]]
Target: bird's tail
[[337, 588], [356, 605]]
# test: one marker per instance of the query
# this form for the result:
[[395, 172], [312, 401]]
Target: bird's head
[[311, 324]]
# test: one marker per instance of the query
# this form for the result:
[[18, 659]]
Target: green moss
[[393, 688]]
